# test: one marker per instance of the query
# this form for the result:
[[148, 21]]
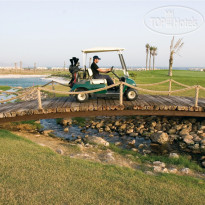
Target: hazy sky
[[49, 32]]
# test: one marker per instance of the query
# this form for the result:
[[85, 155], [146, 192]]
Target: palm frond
[[180, 46], [177, 44], [147, 46], [172, 43]]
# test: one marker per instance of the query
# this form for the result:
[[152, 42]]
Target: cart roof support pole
[[123, 64]]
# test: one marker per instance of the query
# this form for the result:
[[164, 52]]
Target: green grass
[[64, 74], [57, 87], [30, 122], [79, 121], [4, 87], [183, 76], [59, 120], [182, 161], [31, 174], [28, 125]]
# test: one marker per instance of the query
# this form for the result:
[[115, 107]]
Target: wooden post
[[121, 94], [196, 95], [39, 98], [170, 86], [53, 88]]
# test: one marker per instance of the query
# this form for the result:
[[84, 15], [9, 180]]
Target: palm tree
[[150, 55], [174, 49], [154, 53], [147, 53]]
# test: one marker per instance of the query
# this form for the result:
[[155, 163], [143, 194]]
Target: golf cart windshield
[[106, 49]]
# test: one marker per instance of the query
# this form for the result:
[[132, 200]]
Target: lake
[[24, 82]]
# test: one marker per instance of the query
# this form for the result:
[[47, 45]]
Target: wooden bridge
[[61, 107]]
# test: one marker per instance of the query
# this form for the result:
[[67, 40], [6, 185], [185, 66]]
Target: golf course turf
[[32, 174]]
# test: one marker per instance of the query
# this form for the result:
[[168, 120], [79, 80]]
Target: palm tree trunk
[[146, 60], [150, 61], [170, 65], [170, 70], [153, 61]]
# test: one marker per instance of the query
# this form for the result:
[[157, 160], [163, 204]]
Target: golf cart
[[88, 83]]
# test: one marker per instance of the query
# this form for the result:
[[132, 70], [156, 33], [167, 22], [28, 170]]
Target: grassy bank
[[29, 125], [182, 161], [4, 87], [31, 174], [182, 76]]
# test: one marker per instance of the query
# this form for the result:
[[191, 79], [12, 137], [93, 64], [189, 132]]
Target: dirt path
[[87, 151]]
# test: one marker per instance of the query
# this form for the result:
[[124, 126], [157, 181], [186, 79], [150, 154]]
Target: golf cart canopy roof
[[101, 49]]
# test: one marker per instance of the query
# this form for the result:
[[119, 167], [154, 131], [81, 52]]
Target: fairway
[[31, 174], [186, 77], [183, 76]]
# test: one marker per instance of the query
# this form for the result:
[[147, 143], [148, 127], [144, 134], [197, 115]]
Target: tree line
[[151, 52]]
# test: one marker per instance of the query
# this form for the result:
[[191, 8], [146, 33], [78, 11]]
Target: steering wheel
[[112, 70]]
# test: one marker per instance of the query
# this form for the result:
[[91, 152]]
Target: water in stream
[[75, 132]]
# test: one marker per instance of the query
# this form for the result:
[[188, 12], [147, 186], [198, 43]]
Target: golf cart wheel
[[131, 94], [81, 97]]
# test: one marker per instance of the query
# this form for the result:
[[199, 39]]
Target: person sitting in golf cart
[[96, 71]]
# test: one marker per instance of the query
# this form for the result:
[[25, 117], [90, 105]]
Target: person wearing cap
[[96, 71]]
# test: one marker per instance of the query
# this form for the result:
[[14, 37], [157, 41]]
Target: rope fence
[[121, 85], [17, 97]]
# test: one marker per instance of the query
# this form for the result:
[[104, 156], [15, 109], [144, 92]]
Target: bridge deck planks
[[69, 104]]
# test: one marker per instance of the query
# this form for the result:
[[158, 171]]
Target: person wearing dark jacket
[[96, 71]]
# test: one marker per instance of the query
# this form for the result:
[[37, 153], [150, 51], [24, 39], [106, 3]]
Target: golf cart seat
[[96, 81]]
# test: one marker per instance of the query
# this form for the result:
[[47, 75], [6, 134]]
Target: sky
[[51, 32]]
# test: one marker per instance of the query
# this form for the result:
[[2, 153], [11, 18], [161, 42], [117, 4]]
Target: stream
[[76, 131]]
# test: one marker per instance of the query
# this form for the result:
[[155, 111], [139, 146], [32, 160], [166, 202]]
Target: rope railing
[[75, 93], [17, 97], [179, 83], [47, 84], [121, 84], [201, 87], [158, 91], [7, 92]]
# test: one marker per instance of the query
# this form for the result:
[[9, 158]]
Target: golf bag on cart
[[74, 68]]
